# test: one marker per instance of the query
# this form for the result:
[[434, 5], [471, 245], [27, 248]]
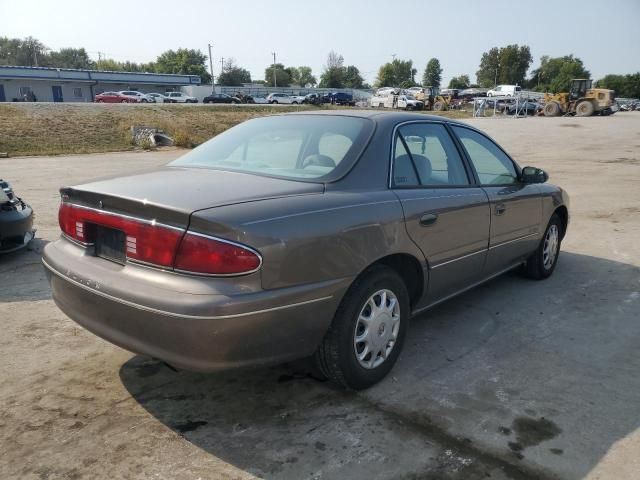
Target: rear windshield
[[314, 147]]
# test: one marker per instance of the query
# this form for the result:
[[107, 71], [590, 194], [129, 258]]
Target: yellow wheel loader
[[581, 100], [432, 99]]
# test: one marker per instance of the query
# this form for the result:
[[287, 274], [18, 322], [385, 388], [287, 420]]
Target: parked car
[[317, 98], [160, 98], [220, 98], [527, 107], [450, 92], [469, 93], [342, 98], [315, 233], [142, 98], [16, 220], [504, 91], [280, 98], [297, 99], [115, 97], [179, 97]]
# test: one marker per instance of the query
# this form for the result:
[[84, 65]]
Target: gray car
[[310, 234]]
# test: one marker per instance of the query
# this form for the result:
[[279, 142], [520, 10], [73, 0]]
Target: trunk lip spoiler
[[184, 231]]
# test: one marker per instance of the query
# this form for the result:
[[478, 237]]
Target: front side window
[[290, 146], [492, 165], [425, 155]]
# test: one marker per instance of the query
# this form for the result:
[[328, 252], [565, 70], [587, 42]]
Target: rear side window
[[425, 155], [492, 165]]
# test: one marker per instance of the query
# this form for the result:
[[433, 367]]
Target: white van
[[504, 91]]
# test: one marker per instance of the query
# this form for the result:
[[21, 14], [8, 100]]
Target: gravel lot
[[515, 379]]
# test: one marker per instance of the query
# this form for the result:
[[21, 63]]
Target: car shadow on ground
[[546, 368], [22, 276]]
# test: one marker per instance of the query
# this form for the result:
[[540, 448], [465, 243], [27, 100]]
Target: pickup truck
[[406, 101]]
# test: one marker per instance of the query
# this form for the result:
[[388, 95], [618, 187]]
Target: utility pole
[[275, 82], [213, 83]]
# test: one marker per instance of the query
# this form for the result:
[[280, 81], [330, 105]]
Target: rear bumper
[[202, 332]]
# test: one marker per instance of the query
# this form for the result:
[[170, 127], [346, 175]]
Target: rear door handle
[[428, 219], [500, 209]]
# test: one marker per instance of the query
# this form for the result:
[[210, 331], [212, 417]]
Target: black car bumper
[[16, 228]]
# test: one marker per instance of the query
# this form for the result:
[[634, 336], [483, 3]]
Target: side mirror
[[533, 175]]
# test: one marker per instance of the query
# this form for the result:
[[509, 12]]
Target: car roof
[[381, 116]]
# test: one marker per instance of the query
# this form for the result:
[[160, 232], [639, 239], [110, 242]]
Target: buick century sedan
[[314, 234]]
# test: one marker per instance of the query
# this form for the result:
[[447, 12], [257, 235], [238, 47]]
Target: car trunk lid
[[170, 195]]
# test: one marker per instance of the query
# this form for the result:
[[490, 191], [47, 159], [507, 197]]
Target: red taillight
[[206, 255], [149, 242], [145, 241]]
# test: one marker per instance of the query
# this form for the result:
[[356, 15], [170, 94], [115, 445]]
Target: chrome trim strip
[[459, 258], [77, 242], [446, 196], [128, 217], [514, 240], [319, 211], [178, 315]]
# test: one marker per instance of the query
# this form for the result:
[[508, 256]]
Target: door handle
[[500, 209], [428, 219]]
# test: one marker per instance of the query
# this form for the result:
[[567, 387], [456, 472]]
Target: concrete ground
[[515, 379]]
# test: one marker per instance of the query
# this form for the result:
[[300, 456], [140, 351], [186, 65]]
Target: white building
[[69, 85]]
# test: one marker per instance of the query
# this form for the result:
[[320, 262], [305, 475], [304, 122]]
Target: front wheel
[[367, 332], [543, 262]]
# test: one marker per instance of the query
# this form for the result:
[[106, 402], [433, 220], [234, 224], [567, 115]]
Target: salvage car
[[16, 220], [220, 98], [115, 97], [309, 234]]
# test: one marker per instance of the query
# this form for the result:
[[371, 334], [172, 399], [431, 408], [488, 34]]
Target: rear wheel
[[543, 262], [551, 109], [367, 332], [438, 106], [584, 109], [100, 101], [124, 101]]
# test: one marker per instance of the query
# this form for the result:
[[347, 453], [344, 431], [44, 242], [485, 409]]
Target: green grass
[[56, 129]]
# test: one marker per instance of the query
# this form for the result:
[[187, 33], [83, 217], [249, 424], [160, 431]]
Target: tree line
[[499, 65]]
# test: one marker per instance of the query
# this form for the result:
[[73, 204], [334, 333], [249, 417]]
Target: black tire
[[551, 109], [584, 109], [336, 356], [438, 106], [294, 103], [535, 267]]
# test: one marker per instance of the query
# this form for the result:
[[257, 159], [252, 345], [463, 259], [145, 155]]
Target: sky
[[604, 35]]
